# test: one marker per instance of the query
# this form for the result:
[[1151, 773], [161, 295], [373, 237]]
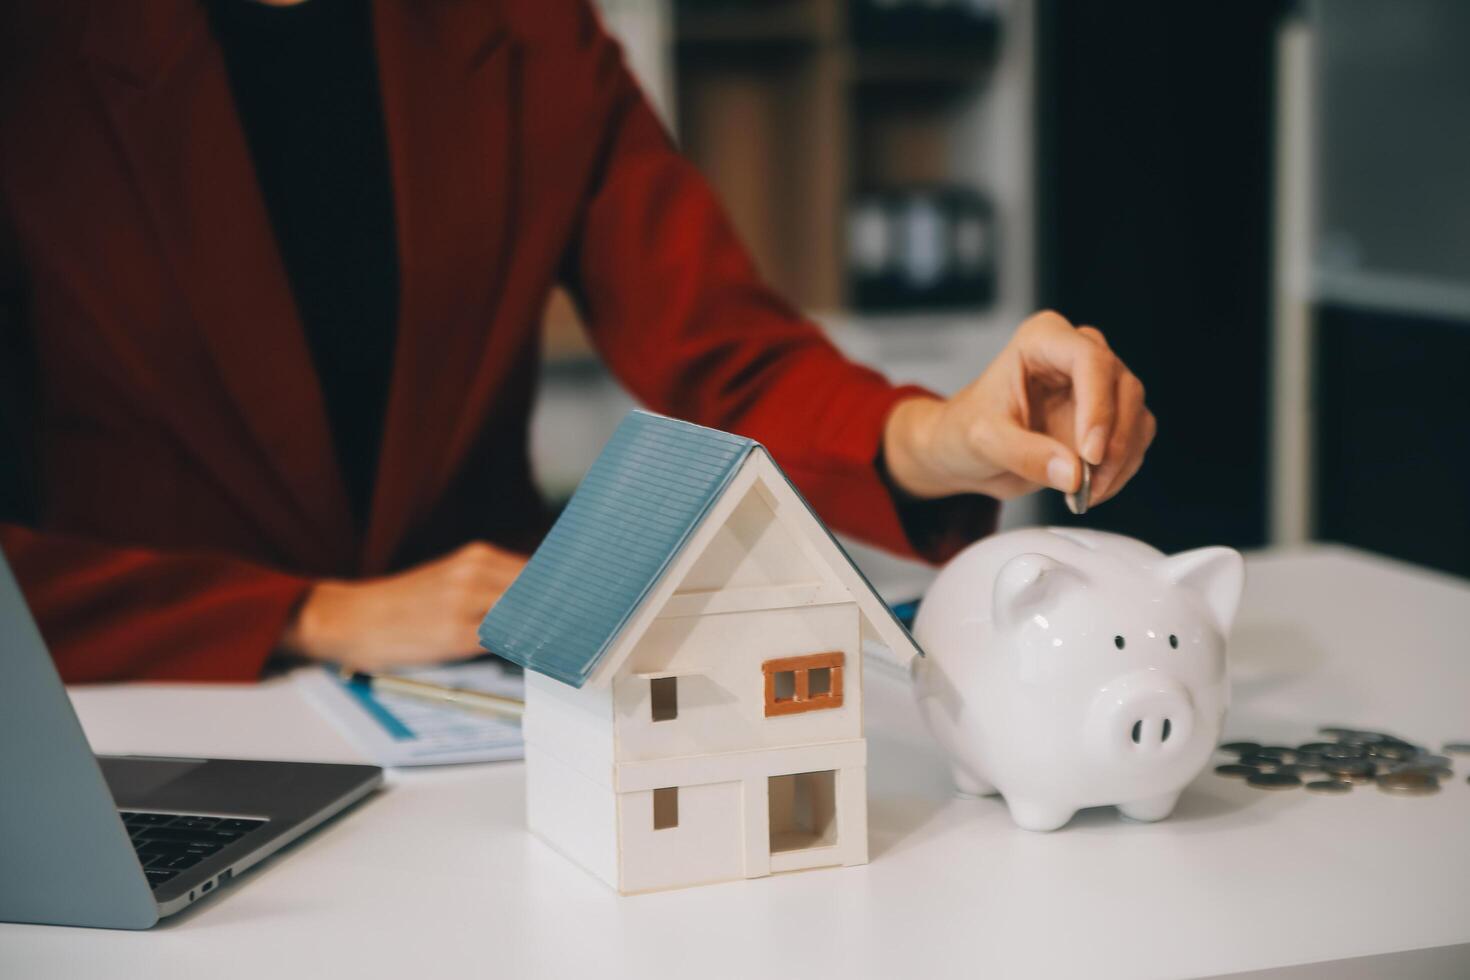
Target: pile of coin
[[1345, 757]]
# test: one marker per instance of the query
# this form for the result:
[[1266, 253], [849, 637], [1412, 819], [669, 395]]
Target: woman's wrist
[[307, 633], [909, 450]]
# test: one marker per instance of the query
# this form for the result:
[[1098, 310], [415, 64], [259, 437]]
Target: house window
[[785, 685], [663, 696], [666, 808], [796, 684]]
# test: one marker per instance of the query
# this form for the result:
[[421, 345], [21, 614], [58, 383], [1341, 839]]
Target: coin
[[1078, 502], [1315, 748], [1390, 751], [1408, 784], [1354, 769], [1353, 755], [1403, 744], [1344, 752], [1241, 748], [1421, 769], [1329, 786]]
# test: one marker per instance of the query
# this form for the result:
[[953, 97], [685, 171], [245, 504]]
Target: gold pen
[[458, 697]]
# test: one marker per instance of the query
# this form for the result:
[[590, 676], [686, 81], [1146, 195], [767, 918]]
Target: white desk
[[436, 878]]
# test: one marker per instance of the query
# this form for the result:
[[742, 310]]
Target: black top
[[305, 82]]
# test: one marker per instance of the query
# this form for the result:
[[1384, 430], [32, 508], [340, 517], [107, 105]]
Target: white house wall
[[721, 689], [752, 547], [724, 825], [570, 802], [730, 766], [575, 725], [788, 548], [707, 845], [573, 814], [760, 579]]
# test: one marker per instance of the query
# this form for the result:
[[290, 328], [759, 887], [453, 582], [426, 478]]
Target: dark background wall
[[1154, 122], [1393, 435]]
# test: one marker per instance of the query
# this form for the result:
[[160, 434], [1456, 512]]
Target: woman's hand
[[425, 615], [1055, 392]]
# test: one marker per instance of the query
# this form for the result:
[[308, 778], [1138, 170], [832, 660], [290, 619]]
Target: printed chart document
[[401, 730]]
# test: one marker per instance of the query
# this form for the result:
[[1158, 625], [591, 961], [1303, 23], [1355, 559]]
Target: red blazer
[[186, 488]]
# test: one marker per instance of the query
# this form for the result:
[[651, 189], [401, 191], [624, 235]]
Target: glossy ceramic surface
[[1068, 668]]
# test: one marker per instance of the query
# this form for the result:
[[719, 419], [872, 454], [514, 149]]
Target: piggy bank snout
[[1142, 718]]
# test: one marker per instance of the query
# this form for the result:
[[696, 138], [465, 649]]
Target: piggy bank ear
[[1028, 584], [1217, 575]]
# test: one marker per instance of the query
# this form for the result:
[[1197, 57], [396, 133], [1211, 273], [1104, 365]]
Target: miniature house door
[[810, 819], [803, 810]]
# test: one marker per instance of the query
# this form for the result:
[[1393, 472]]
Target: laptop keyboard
[[168, 843]]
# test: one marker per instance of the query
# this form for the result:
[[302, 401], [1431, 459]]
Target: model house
[[692, 637]]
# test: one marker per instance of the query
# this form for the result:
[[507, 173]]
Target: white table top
[[437, 877]]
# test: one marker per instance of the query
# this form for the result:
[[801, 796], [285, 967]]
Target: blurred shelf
[[755, 30], [905, 321], [790, 106], [923, 67], [759, 22]]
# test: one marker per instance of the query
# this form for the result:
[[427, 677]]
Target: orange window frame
[[802, 699]]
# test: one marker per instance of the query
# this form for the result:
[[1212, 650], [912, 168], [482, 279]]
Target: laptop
[[120, 842]]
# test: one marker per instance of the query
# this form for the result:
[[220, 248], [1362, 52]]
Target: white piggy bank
[[1068, 668]]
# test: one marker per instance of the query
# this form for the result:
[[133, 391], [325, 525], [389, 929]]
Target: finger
[[1123, 478], [478, 563], [462, 634], [1131, 437], [1095, 335], [1150, 428], [474, 602], [1093, 371], [1008, 486], [1124, 452], [482, 554], [1033, 457], [468, 553]]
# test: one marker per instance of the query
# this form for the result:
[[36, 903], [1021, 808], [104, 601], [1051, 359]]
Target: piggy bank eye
[[1118, 642], [1173, 641]]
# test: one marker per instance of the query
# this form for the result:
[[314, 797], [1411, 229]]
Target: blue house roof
[[646, 493]]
